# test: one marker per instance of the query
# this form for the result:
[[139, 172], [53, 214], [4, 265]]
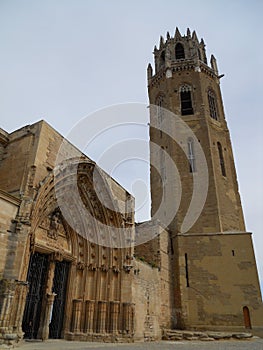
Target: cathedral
[[75, 273]]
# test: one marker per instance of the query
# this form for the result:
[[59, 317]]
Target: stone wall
[[146, 294], [153, 282], [9, 207], [218, 278]]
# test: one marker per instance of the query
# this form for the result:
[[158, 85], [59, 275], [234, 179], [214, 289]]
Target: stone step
[[176, 334]]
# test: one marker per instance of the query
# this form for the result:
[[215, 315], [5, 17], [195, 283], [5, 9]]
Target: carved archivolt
[[82, 233]]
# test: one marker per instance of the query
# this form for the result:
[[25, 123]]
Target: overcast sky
[[61, 60]]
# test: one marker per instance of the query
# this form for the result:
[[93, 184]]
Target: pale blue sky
[[61, 60]]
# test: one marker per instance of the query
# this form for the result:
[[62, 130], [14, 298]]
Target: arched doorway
[[246, 315]]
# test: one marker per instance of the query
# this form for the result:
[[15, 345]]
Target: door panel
[[60, 288], [36, 277]]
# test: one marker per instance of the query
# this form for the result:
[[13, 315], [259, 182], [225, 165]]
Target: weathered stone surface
[[242, 335], [220, 335], [204, 336], [206, 339]]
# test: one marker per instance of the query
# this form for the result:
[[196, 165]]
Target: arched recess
[[179, 51], [247, 320], [186, 99], [162, 59], [93, 232], [74, 181]]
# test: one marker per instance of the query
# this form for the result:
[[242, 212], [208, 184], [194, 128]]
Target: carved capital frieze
[[81, 265]]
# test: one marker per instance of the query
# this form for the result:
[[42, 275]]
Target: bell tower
[[212, 255], [187, 86]]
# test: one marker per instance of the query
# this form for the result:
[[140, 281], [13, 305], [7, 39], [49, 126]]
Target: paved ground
[[254, 344]]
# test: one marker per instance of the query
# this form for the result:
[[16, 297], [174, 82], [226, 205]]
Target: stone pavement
[[252, 344]]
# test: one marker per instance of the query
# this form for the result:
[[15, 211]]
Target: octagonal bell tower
[[213, 258], [184, 84]]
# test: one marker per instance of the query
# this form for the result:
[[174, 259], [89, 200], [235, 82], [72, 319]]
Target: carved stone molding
[[127, 268], [56, 256], [81, 265], [55, 222]]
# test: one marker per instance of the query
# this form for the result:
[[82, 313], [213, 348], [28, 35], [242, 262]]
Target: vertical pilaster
[[128, 318], [7, 293], [114, 316], [102, 308], [20, 302], [76, 315], [89, 316]]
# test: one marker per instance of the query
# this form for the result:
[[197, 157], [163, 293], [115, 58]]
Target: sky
[[62, 60]]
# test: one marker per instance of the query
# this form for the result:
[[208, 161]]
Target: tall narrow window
[[179, 51], [160, 114], [186, 270], [199, 55], [212, 105], [191, 155], [163, 171], [172, 247], [186, 100], [221, 158]]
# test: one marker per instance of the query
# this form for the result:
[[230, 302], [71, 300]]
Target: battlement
[[177, 50]]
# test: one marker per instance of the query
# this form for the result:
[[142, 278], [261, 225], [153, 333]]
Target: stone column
[[128, 318], [47, 316], [102, 308], [89, 316], [114, 316], [21, 291], [43, 331], [8, 333], [7, 292], [76, 315]]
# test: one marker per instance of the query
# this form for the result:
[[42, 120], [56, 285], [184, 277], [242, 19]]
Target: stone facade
[[98, 302], [71, 271]]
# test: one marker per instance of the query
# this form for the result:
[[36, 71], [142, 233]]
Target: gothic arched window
[[212, 104], [199, 55], [162, 59], [179, 51], [191, 155], [221, 158], [186, 100]]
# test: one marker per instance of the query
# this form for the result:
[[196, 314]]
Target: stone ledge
[[177, 335]]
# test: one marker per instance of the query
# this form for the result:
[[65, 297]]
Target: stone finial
[[214, 64], [161, 43], [149, 71], [194, 36], [177, 34]]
